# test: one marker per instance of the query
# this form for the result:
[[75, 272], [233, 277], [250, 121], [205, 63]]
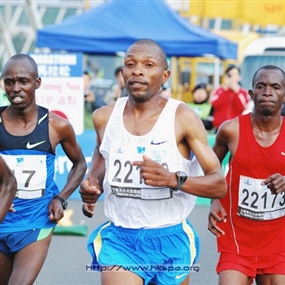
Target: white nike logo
[[180, 276], [29, 146], [282, 153]]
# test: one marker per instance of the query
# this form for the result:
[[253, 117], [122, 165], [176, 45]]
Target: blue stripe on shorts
[[163, 255]]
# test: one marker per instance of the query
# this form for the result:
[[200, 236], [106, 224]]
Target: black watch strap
[[181, 178], [63, 202]]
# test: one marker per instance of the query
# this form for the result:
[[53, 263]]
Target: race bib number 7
[[30, 172], [256, 201]]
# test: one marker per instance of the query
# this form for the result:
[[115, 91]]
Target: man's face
[[232, 77], [200, 95], [144, 71], [86, 81], [20, 82], [268, 91]]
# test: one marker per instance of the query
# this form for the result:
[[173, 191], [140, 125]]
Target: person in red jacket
[[230, 99]]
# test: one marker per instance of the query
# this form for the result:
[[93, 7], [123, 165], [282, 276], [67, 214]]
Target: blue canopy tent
[[115, 25]]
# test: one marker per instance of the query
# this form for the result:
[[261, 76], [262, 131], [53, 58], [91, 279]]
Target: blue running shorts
[[11, 243], [162, 256]]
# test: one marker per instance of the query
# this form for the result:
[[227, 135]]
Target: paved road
[[68, 256]]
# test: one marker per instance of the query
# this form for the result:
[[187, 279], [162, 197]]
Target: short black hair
[[23, 56], [151, 42], [200, 86], [267, 67]]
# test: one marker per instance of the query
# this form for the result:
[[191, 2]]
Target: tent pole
[[216, 72]]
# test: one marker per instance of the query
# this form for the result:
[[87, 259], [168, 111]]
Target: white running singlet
[[128, 201]]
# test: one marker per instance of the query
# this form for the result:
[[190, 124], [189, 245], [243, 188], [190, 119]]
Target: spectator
[[89, 96], [165, 92], [117, 88], [93, 100], [202, 106], [230, 99]]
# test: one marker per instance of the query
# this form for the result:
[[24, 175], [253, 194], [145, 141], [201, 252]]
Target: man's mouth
[[17, 99]]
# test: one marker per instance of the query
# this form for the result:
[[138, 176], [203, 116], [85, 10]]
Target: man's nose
[[268, 90], [16, 86], [137, 70]]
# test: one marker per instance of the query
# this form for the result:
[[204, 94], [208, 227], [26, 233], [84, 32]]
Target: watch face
[[181, 178], [182, 174], [64, 205]]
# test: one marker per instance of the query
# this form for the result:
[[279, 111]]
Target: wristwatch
[[64, 203], [181, 178]]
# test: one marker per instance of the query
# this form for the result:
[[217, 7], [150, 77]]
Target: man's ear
[[38, 82], [250, 93], [166, 75]]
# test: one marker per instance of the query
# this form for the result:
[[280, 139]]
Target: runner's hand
[[217, 214], [88, 209]]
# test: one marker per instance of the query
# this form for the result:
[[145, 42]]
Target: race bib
[[126, 180], [30, 172], [142, 193], [257, 202]]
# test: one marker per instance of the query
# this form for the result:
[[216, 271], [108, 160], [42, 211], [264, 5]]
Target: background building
[[241, 21]]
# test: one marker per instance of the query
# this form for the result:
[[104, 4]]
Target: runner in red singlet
[[249, 221]]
